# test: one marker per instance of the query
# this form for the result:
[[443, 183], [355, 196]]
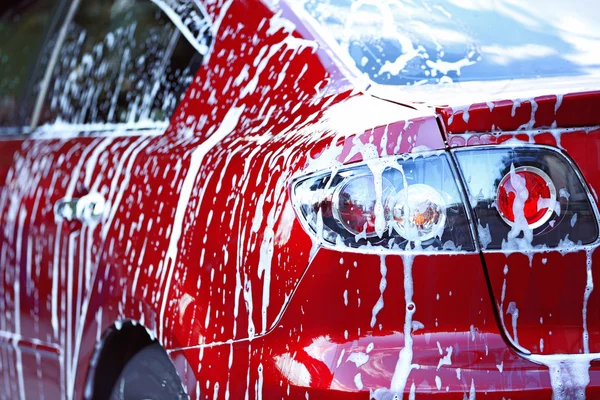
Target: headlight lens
[[522, 198], [418, 212], [410, 202], [354, 205], [527, 197]]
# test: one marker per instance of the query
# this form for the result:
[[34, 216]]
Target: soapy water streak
[[568, 370]]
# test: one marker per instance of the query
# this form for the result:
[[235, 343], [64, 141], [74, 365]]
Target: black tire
[[150, 374]]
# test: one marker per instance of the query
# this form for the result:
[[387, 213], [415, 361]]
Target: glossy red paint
[[572, 110], [550, 285], [315, 341], [201, 244]]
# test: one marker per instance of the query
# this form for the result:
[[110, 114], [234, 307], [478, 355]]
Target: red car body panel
[[201, 244], [550, 285]]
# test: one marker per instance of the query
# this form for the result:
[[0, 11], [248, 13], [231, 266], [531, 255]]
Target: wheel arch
[[119, 343]]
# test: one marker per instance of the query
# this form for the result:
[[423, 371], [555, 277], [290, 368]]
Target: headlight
[[521, 198], [391, 204], [527, 197]]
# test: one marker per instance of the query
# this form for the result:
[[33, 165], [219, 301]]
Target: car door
[[26, 29], [113, 79]]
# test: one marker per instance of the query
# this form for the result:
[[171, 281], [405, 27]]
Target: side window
[[23, 28], [122, 62]]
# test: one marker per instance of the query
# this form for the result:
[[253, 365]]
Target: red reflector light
[[526, 190]]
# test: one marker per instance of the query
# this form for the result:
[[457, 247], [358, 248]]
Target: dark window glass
[[122, 61], [23, 26]]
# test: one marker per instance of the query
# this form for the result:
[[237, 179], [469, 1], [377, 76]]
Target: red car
[[303, 199]]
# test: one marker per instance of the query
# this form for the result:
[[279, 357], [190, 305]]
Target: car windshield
[[413, 42]]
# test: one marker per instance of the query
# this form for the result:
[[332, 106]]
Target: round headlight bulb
[[354, 204], [418, 212]]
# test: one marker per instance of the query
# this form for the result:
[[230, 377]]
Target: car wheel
[[150, 374]]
